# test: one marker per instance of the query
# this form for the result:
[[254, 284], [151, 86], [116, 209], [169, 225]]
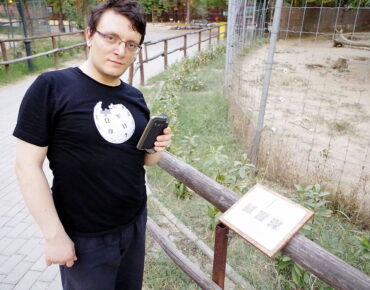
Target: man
[[88, 122]]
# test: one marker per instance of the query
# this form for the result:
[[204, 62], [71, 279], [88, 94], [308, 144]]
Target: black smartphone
[[153, 129]]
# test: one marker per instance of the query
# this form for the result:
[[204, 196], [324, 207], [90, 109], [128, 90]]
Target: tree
[[78, 10], [201, 7], [58, 7], [156, 7]]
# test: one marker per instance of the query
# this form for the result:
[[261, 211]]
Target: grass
[[40, 64], [204, 138]]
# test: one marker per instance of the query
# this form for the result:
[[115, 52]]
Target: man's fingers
[[70, 263], [48, 262]]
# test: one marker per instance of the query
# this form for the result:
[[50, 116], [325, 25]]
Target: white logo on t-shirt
[[115, 124]]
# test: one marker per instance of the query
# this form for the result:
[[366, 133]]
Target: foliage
[[363, 244], [78, 10], [20, 69], [213, 213], [159, 6], [196, 110], [201, 7], [312, 197]]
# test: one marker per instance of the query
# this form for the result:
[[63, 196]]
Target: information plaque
[[266, 219]]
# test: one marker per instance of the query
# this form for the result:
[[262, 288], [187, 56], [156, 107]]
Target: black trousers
[[108, 262]]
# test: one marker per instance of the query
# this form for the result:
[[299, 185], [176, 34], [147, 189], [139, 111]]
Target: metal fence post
[[266, 81], [220, 255]]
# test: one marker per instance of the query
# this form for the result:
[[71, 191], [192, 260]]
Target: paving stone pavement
[[22, 265]]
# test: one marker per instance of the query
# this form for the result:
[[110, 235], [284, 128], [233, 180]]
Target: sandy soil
[[317, 123]]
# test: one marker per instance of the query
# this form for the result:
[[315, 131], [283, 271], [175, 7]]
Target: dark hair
[[129, 8]]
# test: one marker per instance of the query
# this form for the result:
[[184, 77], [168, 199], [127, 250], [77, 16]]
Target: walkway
[[22, 264]]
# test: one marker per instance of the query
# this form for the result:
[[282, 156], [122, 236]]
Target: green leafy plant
[[213, 213], [312, 197], [363, 243]]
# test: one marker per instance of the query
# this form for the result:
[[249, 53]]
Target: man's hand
[[60, 250], [163, 141], [160, 145]]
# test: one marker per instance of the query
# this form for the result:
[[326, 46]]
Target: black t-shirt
[[91, 131]]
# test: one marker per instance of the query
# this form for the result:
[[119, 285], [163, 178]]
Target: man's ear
[[88, 36]]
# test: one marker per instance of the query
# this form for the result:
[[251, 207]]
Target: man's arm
[[163, 141], [59, 248]]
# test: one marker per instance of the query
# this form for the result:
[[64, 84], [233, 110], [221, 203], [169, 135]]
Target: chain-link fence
[[302, 103], [23, 18]]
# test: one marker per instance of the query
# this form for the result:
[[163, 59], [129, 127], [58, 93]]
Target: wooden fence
[[143, 53], [306, 253], [55, 51], [142, 56]]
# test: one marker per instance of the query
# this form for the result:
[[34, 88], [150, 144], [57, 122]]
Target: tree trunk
[[28, 19], [188, 11], [60, 17], [154, 15]]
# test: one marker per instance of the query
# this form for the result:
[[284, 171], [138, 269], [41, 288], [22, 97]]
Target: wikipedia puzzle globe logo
[[115, 123]]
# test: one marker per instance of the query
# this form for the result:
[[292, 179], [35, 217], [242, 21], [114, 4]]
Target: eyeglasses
[[115, 40]]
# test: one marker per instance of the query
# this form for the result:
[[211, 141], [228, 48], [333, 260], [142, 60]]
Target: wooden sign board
[[266, 219]]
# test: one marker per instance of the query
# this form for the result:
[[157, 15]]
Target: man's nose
[[121, 48]]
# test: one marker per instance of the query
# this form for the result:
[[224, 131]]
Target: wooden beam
[[191, 269], [309, 255]]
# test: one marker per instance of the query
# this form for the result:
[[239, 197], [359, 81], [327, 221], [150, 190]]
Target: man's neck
[[89, 70]]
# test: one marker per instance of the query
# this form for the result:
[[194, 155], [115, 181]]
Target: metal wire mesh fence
[[302, 103], [33, 13]]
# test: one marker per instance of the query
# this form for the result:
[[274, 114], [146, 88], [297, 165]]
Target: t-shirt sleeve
[[34, 117]]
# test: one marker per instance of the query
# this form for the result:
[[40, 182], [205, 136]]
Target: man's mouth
[[116, 62]]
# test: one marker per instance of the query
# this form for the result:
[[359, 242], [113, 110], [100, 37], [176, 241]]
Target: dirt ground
[[317, 123]]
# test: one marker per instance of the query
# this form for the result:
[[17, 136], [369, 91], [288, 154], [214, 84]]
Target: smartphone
[[153, 129]]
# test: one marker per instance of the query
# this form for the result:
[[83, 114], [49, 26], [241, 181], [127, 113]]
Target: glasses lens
[[131, 46]]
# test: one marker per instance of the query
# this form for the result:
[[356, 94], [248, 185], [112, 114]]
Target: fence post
[[85, 47], [185, 44], [146, 52], [220, 255], [218, 34], [56, 54], [131, 74], [210, 36], [199, 40], [165, 54], [266, 81], [5, 57], [141, 66]]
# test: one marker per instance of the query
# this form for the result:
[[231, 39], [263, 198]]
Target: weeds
[[203, 138], [363, 243], [312, 197]]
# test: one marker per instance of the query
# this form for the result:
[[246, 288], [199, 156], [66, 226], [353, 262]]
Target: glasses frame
[[105, 35]]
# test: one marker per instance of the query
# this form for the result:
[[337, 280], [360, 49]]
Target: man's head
[[114, 35], [129, 8]]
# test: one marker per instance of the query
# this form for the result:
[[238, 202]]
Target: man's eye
[[131, 45], [111, 38]]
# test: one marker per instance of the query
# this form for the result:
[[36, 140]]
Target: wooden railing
[[327, 267], [143, 53], [55, 51]]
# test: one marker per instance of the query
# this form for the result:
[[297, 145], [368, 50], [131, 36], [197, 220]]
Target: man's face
[[107, 61]]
